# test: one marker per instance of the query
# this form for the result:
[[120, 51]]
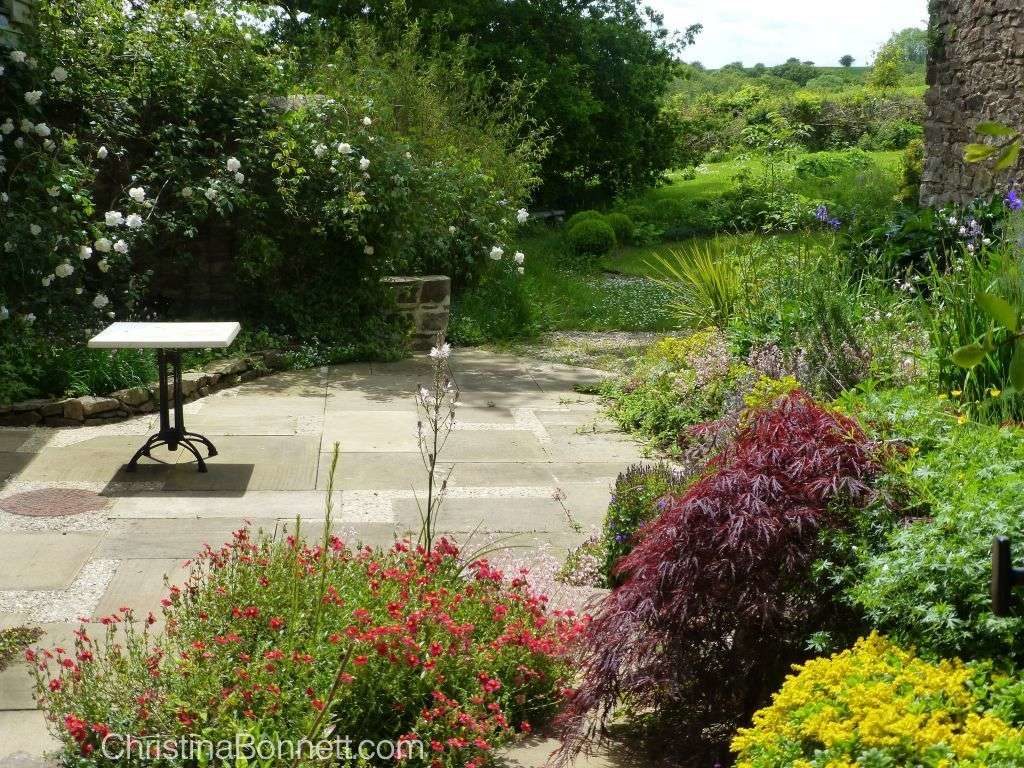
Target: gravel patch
[[79, 599]]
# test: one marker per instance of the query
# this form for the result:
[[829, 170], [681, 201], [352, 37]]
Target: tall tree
[[847, 60]]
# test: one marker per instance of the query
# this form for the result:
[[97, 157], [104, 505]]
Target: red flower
[[276, 623], [359, 660]]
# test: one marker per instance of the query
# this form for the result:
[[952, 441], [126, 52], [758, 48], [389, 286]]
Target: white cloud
[[771, 31]]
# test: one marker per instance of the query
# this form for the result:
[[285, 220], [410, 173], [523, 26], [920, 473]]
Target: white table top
[[166, 336]]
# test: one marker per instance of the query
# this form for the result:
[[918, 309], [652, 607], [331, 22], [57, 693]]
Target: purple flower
[[821, 214], [1013, 200], [835, 223], [620, 537]]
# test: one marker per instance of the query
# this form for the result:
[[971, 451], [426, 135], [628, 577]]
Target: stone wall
[[425, 302], [15, 15], [975, 72], [90, 409]]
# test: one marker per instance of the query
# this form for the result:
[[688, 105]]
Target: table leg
[[176, 435]]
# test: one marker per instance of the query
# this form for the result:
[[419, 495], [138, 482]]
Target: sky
[[771, 31]]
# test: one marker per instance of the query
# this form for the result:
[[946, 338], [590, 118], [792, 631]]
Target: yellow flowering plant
[[877, 705]]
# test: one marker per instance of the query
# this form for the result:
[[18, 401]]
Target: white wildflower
[[102, 153], [522, 215], [233, 164], [32, 97], [35, 229], [59, 74], [519, 257], [113, 218], [320, 150], [496, 253], [521, 270], [367, 122], [191, 18], [442, 352], [79, 291], [364, 163], [344, 148], [452, 229], [138, 194], [100, 301]]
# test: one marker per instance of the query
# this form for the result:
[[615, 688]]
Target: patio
[[531, 458]]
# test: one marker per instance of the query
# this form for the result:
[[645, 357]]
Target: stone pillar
[[426, 302], [15, 16], [975, 74]]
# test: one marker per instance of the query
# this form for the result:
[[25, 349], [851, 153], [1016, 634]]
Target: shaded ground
[[532, 459]]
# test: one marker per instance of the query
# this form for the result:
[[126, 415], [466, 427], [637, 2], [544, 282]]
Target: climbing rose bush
[[878, 704], [716, 597], [279, 639]]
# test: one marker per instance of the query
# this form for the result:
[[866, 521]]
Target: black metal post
[[1004, 576], [176, 435]]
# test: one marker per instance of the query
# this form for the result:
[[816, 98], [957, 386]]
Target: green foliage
[[847, 60], [922, 568], [823, 165], [704, 284], [591, 237], [623, 227], [911, 169], [496, 308], [890, 64], [579, 216], [634, 503], [14, 641]]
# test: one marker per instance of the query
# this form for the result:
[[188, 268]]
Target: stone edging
[[91, 409]]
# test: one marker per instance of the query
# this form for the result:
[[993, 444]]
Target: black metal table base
[[174, 435]]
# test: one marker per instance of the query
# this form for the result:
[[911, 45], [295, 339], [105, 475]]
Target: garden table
[[168, 339]]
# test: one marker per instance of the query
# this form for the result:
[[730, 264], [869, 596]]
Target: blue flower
[[1013, 200], [821, 214]]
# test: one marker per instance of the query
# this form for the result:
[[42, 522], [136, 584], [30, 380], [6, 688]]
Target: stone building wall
[[15, 15], [975, 73]]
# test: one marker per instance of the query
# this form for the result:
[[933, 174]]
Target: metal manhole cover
[[53, 502]]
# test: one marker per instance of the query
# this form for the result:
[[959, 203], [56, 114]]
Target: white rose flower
[[47, 280], [84, 252], [4, 197], [19, 142], [522, 215], [35, 229], [344, 148], [368, 250], [408, 155], [320, 150], [367, 122], [102, 153], [53, 191], [9, 246], [239, 178], [7, 126], [191, 18], [29, 318], [364, 163], [100, 301], [113, 218], [186, 192], [121, 246], [521, 270], [4, 313], [519, 257], [64, 270], [49, 146], [138, 194], [32, 97], [102, 245], [18, 57], [59, 74], [27, 126], [233, 164], [134, 221], [496, 253], [211, 194], [452, 229], [103, 265], [43, 130], [79, 291]]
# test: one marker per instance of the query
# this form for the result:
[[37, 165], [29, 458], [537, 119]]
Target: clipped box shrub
[[877, 704], [623, 227], [579, 216], [591, 237], [286, 639]]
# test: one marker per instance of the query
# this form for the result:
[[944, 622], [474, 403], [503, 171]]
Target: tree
[[847, 60], [913, 43], [889, 67], [796, 71], [598, 70]]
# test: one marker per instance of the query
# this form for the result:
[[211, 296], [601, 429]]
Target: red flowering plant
[[717, 597], [276, 640]]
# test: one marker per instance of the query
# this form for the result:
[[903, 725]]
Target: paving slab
[[252, 463], [504, 446], [252, 505], [570, 445], [97, 459], [24, 739], [296, 384], [13, 440], [12, 464], [164, 539], [484, 474], [401, 471], [494, 515], [370, 431], [603, 472], [353, 534], [140, 585], [43, 561]]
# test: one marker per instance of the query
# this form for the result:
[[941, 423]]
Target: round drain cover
[[53, 502]]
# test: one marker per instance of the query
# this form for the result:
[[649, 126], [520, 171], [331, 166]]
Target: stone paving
[[531, 458]]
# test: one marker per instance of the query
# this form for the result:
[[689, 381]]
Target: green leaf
[[999, 310], [975, 153], [969, 356], [1008, 157], [1017, 367], [995, 129]]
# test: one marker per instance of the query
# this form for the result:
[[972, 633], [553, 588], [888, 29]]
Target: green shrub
[[496, 308], [921, 570], [911, 168], [705, 285], [823, 165], [623, 227], [592, 237], [634, 503], [669, 212], [281, 638], [579, 216]]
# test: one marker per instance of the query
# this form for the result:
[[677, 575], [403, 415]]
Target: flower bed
[[277, 639]]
